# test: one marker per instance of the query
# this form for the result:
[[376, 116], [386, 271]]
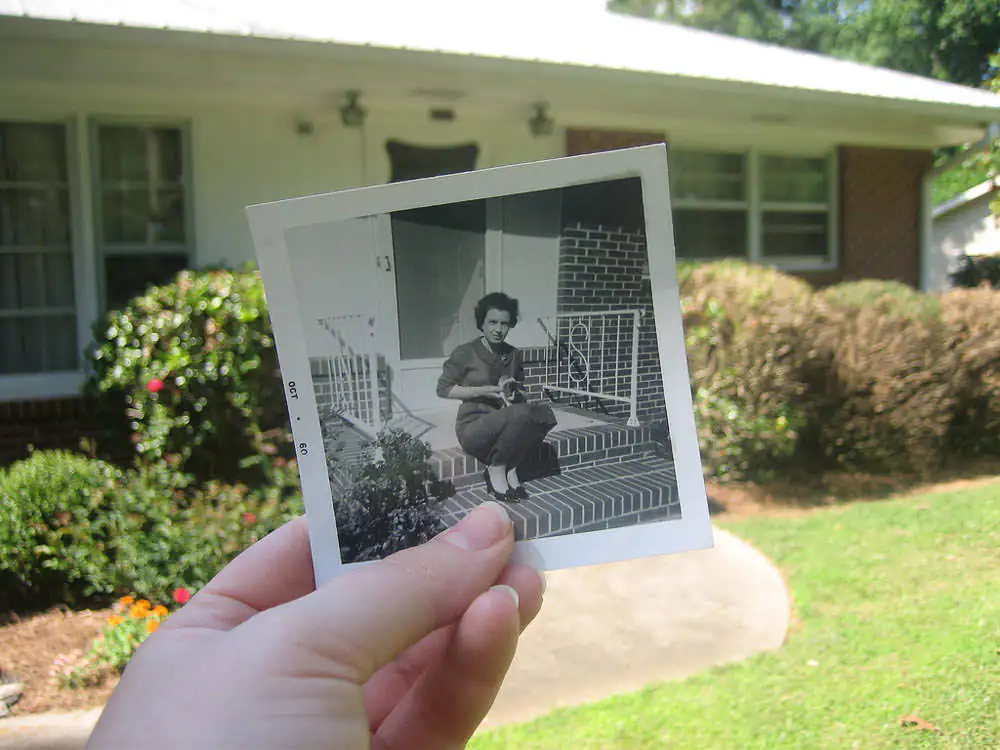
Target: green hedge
[[59, 522], [77, 530]]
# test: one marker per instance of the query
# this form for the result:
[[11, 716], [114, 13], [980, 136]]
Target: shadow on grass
[[803, 490]]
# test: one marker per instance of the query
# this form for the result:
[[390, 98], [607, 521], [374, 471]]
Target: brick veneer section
[[880, 207], [45, 425], [601, 268], [591, 140]]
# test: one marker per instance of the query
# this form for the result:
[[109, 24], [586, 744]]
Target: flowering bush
[[131, 623], [184, 533], [389, 504], [195, 363]]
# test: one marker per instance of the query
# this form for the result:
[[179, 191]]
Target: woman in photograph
[[495, 424]]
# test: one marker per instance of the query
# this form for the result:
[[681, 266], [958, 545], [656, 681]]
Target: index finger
[[276, 570], [361, 621]]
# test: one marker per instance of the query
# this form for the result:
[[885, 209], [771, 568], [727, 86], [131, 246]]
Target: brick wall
[[601, 268], [48, 424], [591, 140], [880, 206]]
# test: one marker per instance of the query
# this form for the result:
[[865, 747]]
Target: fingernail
[[480, 529], [510, 590]]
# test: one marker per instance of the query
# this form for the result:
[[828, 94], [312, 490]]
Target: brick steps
[[597, 497], [562, 450]]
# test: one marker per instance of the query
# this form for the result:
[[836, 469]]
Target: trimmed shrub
[[59, 523], [889, 395], [972, 317], [746, 332], [196, 366], [390, 504]]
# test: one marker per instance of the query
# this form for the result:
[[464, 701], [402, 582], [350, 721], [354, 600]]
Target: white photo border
[[268, 224]]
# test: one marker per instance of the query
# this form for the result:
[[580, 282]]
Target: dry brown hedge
[[973, 320], [745, 327], [869, 376], [890, 389]]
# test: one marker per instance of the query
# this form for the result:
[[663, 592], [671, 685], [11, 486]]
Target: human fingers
[[529, 584], [387, 687], [452, 697], [358, 623], [275, 570]]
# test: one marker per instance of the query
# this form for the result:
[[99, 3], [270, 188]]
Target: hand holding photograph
[[512, 334]]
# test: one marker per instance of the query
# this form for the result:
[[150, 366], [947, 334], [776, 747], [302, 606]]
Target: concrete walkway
[[603, 630]]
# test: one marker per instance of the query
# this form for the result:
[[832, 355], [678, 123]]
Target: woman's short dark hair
[[496, 301]]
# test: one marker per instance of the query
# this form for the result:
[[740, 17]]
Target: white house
[[964, 224], [134, 133]]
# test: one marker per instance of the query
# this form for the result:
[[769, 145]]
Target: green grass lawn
[[897, 611]]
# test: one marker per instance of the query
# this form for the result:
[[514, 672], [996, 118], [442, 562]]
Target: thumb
[[364, 619]]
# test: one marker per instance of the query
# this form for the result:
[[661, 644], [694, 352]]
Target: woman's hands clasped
[[406, 652]]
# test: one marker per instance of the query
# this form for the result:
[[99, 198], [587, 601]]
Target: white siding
[[972, 228]]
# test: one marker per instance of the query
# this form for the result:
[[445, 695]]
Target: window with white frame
[[143, 226], [763, 206], [38, 320]]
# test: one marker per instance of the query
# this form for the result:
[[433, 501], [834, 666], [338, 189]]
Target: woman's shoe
[[490, 489], [520, 492]]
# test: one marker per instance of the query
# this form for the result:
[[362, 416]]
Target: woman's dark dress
[[495, 434]]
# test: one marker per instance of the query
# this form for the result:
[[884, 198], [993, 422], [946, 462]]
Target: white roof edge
[[977, 191], [517, 30]]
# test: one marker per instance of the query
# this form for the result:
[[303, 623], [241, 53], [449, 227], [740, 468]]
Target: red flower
[[182, 596], [155, 385], [249, 518]]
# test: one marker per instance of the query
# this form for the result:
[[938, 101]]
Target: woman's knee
[[543, 415]]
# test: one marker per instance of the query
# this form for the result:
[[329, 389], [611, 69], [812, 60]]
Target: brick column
[[590, 140], [880, 213]]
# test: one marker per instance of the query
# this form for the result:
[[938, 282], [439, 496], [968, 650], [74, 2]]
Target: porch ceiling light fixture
[[540, 123], [353, 114]]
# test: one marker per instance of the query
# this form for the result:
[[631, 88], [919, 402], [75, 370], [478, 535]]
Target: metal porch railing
[[594, 354], [352, 371]]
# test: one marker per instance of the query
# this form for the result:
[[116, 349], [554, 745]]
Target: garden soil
[[29, 645]]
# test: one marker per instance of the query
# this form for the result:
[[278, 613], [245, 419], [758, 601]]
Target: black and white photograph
[[502, 348]]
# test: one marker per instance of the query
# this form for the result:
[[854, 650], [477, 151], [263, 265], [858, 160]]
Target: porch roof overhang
[[515, 53]]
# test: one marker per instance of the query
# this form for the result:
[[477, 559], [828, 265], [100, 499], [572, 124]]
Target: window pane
[[38, 344], [34, 216], [58, 270], [697, 175], [36, 280], [143, 216], [32, 152], [128, 276], [795, 179], [710, 234], [795, 235], [139, 154]]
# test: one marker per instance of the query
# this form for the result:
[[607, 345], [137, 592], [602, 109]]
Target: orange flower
[[151, 626], [126, 600], [115, 620], [160, 611], [138, 611], [144, 603]]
